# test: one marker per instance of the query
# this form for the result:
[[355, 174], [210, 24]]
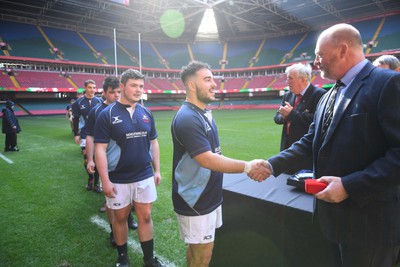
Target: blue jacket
[[9, 121], [362, 146]]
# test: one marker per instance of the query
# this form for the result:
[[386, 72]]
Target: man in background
[[297, 110], [68, 114], [80, 112], [387, 62], [10, 127]]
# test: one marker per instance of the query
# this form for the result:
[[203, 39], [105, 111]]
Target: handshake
[[258, 169]]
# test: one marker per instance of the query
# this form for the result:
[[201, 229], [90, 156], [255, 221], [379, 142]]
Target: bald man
[[354, 140]]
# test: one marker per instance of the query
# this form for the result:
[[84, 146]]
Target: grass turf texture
[[47, 214]]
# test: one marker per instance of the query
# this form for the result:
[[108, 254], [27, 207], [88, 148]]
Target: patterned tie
[[329, 110]]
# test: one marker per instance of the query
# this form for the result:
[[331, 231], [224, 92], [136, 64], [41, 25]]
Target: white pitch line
[[131, 243], [9, 161]]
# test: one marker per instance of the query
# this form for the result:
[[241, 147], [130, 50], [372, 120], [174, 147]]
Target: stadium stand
[[102, 47], [163, 84], [80, 78], [274, 50], [177, 55], [24, 40], [70, 44], [130, 57], [260, 82], [150, 58], [42, 106], [234, 62], [5, 80], [234, 83], [239, 54], [42, 79], [208, 52], [389, 36]]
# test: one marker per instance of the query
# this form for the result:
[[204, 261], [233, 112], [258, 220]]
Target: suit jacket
[[362, 146], [300, 119]]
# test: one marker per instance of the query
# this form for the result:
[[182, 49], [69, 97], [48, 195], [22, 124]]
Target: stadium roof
[[236, 19]]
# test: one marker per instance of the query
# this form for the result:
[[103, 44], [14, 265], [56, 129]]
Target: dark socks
[[96, 178], [123, 251], [147, 248]]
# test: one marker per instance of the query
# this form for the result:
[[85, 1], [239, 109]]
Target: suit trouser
[[350, 256], [10, 141]]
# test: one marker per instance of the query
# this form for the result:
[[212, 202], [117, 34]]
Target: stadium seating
[[43, 106], [70, 44], [30, 41], [260, 82], [389, 36], [234, 83], [24, 40], [80, 78], [240, 53], [211, 53], [176, 55], [5, 80], [274, 50], [41, 79]]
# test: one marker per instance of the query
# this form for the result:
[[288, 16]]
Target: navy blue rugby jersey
[[195, 190], [93, 114], [128, 151], [81, 108]]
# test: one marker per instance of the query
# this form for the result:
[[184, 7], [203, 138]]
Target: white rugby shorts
[[140, 192], [200, 229]]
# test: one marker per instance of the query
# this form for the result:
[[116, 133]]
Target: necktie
[[329, 110], [298, 98], [296, 102]]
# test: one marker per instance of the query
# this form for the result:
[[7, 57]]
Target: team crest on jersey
[[116, 120], [145, 118], [83, 107]]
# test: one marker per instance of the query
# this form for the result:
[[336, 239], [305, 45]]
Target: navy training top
[[80, 111], [195, 190], [128, 151], [92, 117]]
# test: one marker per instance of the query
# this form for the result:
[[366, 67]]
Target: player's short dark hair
[[191, 69], [89, 81], [110, 81], [131, 74]]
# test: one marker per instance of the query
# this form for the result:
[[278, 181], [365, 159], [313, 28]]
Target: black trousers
[[11, 141], [350, 256]]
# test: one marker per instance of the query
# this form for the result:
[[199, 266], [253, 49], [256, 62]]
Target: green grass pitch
[[49, 219]]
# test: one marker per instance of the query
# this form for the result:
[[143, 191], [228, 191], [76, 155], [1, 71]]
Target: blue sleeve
[[75, 109], [153, 132], [190, 132], [89, 125], [102, 129]]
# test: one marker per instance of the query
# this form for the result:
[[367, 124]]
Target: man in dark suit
[[357, 154], [297, 110]]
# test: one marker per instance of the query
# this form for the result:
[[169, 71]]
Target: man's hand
[[285, 110], [90, 166], [109, 189], [157, 178], [259, 170], [334, 192], [77, 140]]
